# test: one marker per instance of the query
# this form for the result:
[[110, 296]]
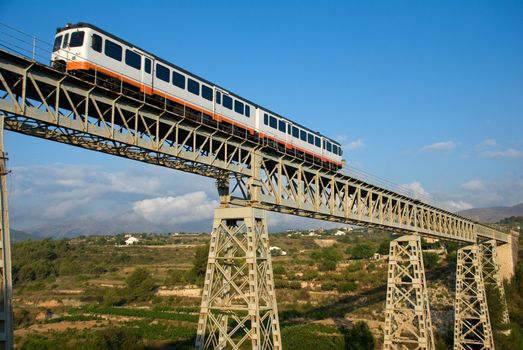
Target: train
[[89, 52]]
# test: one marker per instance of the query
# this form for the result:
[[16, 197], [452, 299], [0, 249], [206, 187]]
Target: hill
[[22, 236], [493, 214]]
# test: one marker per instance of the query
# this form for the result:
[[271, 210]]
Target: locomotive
[[85, 50]]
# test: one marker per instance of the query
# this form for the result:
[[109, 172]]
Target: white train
[[88, 51]]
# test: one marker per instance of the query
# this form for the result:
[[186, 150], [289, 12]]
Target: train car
[[90, 52]]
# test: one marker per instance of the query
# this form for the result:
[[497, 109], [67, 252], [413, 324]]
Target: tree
[[140, 285], [384, 248], [430, 260], [359, 337], [199, 263], [362, 251]]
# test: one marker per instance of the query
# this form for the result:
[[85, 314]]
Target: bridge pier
[[491, 273], [238, 300], [6, 315], [472, 329], [407, 315]]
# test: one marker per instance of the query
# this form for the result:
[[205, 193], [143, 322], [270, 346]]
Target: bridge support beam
[[238, 300], [491, 273], [472, 329], [6, 316], [407, 316]]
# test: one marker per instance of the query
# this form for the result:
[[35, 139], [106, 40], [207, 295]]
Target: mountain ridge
[[492, 214]]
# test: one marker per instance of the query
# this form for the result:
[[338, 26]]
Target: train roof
[[89, 25]]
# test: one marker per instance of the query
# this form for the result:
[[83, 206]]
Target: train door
[[147, 72]]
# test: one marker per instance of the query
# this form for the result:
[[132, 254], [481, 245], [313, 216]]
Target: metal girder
[[408, 324], [472, 329], [39, 101], [491, 275], [6, 284], [238, 307]]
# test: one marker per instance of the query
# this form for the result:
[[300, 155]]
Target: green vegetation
[[361, 251], [430, 260], [327, 258], [322, 337]]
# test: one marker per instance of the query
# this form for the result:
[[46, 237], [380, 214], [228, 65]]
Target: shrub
[[345, 287], [383, 249], [328, 265], [328, 286]]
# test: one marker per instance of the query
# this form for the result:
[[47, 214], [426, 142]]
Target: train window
[[206, 92], [295, 132], [273, 122], [310, 139], [66, 39], [247, 111], [218, 97], [57, 43], [238, 106], [329, 146], [265, 119], [77, 39], [317, 141], [334, 149], [162, 72], [133, 59], [147, 65], [178, 80], [282, 126], [193, 86], [113, 50], [96, 43], [227, 101], [303, 135]]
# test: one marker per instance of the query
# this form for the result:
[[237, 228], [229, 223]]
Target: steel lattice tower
[[238, 302], [491, 275], [6, 325], [472, 330], [407, 316]]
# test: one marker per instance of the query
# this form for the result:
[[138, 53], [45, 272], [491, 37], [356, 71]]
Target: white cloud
[[508, 153], [439, 146], [455, 205], [474, 185], [488, 143], [53, 193], [191, 207], [350, 146], [416, 190]]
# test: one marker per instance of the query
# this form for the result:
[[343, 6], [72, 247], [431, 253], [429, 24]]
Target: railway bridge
[[238, 304]]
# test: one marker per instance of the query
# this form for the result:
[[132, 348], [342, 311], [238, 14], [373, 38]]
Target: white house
[[340, 233], [131, 241]]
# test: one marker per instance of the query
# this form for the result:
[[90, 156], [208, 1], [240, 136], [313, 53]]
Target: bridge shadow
[[336, 310]]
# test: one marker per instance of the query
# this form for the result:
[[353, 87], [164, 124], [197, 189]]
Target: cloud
[[439, 146], [54, 193], [350, 146], [488, 143], [508, 153], [455, 205], [474, 185], [191, 207], [416, 190]]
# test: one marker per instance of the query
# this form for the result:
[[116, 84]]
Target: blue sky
[[424, 94]]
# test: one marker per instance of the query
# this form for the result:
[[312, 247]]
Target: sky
[[428, 95]]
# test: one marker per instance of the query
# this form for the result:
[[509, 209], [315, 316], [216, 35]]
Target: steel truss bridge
[[238, 302]]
